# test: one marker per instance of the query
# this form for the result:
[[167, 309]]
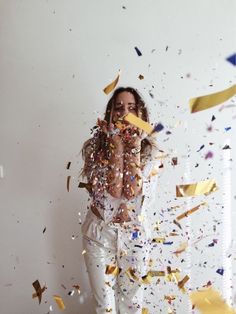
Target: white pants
[[117, 294]]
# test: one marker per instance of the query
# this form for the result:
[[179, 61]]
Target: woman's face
[[124, 103]]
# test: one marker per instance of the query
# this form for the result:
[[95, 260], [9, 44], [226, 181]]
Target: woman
[[119, 162]]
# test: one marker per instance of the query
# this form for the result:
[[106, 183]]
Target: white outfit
[[124, 245]]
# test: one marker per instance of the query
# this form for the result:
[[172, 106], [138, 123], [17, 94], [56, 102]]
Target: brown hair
[[97, 144]]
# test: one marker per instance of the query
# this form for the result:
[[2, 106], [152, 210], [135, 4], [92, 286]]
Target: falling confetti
[[59, 302], [39, 290], [109, 88], [208, 101], [138, 51], [209, 301], [203, 187], [232, 59]]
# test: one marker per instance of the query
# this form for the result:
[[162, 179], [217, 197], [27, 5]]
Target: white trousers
[[113, 294]]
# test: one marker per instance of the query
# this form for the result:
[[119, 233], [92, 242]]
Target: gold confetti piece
[[141, 77], [83, 252], [210, 301], [181, 249], [159, 240], [130, 117], [77, 287], [154, 172], [109, 310], [157, 273], [190, 211], [87, 186], [109, 88], [112, 270], [68, 183], [203, 187], [59, 302], [169, 297], [39, 290], [208, 101], [145, 310], [68, 165], [183, 281], [131, 275]]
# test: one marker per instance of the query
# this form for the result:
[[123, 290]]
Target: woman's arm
[[132, 170], [115, 167]]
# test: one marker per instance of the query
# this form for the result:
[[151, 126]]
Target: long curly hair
[[97, 144]]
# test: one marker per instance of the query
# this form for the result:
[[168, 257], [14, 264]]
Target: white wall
[[55, 59]]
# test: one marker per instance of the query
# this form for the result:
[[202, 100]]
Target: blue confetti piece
[[232, 59], [228, 128], [220, 271], [134, 235], [211, 244], [158, 127], [168, 243], [138, 51], [132, 178]]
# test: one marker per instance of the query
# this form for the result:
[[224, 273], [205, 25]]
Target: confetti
[[190, 211], [232, 59], [208, 101], [68, 165], [109, 88], [183, 282], [203, 187], [77, 287], [220, 271], [112, 270], [39, 290], [209, 301], [59, 302], [139, 123], [158, 128], [141, 77], [139, 53], [87, 186], [181, 249], [68, 183]]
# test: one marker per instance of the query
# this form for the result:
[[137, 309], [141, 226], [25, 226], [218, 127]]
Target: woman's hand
[[132, 137], [111, 131], [122, 215]]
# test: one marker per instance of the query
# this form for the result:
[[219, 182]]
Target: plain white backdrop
[[56, 57]]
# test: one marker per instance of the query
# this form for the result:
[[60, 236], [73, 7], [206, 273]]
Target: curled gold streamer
[[211, 100], [112, 85]]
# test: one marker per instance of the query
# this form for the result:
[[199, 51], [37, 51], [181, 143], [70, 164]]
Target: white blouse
[[139, 206]]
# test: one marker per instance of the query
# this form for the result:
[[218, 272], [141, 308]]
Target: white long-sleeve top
[[140, 205]]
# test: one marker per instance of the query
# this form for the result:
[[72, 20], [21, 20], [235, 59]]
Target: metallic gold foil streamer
[[190, 211], [182, 282], [131, 274], [159, 240], [59, 302], [210, 301], [211, 100], [203, 187], [145, 310], [109, 88], [112, 270], [39, 290], [130, 117]]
